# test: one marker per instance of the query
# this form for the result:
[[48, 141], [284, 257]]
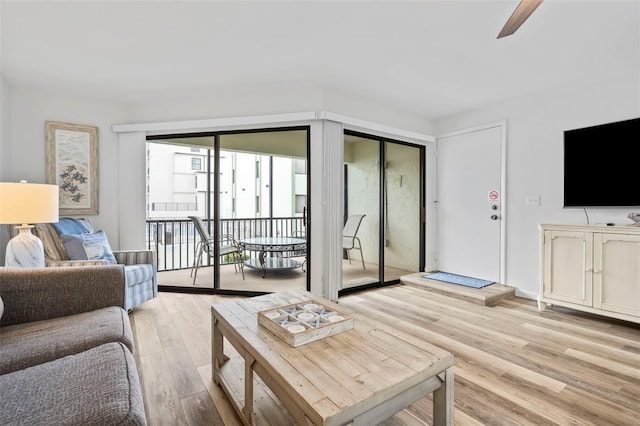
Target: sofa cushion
[[136, 274], [99, 386], [88, 246], [68, 225], [28, 344]]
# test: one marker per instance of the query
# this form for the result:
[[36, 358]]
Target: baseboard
[[526, 294]]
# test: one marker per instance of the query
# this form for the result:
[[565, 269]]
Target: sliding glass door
[[228, 211], [403, 227], [384, 185], [262, 196], [361, 247]]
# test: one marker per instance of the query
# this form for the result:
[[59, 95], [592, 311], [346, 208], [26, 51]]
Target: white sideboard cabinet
[[591, 268]]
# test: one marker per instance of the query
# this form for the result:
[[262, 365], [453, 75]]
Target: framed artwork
[[72, 164]]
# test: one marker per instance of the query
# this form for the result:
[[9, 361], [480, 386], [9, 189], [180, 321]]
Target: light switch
[[533, 200]]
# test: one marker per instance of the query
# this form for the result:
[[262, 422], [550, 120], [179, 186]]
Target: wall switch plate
[[533, 200]]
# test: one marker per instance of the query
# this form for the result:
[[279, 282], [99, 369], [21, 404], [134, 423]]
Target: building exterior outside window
[[196, 163], [177, 183]]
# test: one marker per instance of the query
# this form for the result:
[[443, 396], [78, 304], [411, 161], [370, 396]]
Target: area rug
[[458, 279]]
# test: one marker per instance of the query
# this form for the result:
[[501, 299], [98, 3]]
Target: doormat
[[458, 279]]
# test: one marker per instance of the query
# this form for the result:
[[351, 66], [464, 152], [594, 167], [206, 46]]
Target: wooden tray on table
[[304, 322]]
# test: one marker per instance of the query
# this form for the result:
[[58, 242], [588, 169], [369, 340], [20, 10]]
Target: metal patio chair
[[228, 246]]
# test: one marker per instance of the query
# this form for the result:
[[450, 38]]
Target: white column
[[132, 177], [333, 207]]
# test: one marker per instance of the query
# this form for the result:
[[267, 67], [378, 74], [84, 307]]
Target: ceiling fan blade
[[517, 18]]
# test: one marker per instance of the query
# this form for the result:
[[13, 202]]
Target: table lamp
[[25, 203]]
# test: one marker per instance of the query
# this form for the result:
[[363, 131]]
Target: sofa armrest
[[34, 294], [135, 257]]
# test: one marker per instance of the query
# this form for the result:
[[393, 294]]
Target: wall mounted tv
[[602, 165]]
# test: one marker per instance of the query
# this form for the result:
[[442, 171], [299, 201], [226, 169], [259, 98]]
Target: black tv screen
[[602, 165]]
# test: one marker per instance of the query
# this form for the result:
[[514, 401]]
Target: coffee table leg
[[217, 350], [443, 400], [248, 389]]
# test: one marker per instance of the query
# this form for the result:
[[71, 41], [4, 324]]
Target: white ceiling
[[429, 58]]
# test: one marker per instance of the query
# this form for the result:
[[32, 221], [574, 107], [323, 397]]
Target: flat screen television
[[602, 165]]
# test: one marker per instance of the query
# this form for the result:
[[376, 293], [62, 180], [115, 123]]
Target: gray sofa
[[140, 266], [66, 348]]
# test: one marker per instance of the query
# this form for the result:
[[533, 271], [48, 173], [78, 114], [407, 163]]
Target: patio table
[[279, 245]]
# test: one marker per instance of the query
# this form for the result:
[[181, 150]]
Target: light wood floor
[[514, 366]]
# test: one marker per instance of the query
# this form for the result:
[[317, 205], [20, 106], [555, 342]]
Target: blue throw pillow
[[88, 246], [69, 225], [73, 246]]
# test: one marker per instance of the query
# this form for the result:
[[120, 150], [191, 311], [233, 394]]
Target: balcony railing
[[174, 240]]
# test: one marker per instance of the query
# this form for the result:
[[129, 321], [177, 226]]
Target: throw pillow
[[88, 246], [73, 246], [69, 225], [97, 246]]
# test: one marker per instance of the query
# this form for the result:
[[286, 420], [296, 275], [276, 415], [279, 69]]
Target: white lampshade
[[25, 203], [28, 203]]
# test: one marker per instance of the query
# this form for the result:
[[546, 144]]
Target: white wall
[[225, 104], [535, 126], [371, 111], [259, 101], [23, 149]]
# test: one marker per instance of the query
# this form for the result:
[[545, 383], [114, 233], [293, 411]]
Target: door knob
[[494, 217]]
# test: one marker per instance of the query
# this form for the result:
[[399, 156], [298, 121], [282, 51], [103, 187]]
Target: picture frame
[[72, 164]]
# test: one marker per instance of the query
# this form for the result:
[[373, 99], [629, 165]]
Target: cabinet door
[[568, 266], [616, 273]]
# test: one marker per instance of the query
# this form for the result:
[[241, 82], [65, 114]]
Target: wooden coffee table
[[360, 376]]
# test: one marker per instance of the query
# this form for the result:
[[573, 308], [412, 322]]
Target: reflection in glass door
[[361, 254], [384, 182]]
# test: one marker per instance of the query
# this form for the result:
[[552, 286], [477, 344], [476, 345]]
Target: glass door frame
[[216, 215], [213, 220], [381, 209]]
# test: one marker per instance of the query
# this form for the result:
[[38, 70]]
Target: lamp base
[[25, 250]]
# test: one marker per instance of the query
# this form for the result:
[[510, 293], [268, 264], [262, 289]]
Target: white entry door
[[469, 185]]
